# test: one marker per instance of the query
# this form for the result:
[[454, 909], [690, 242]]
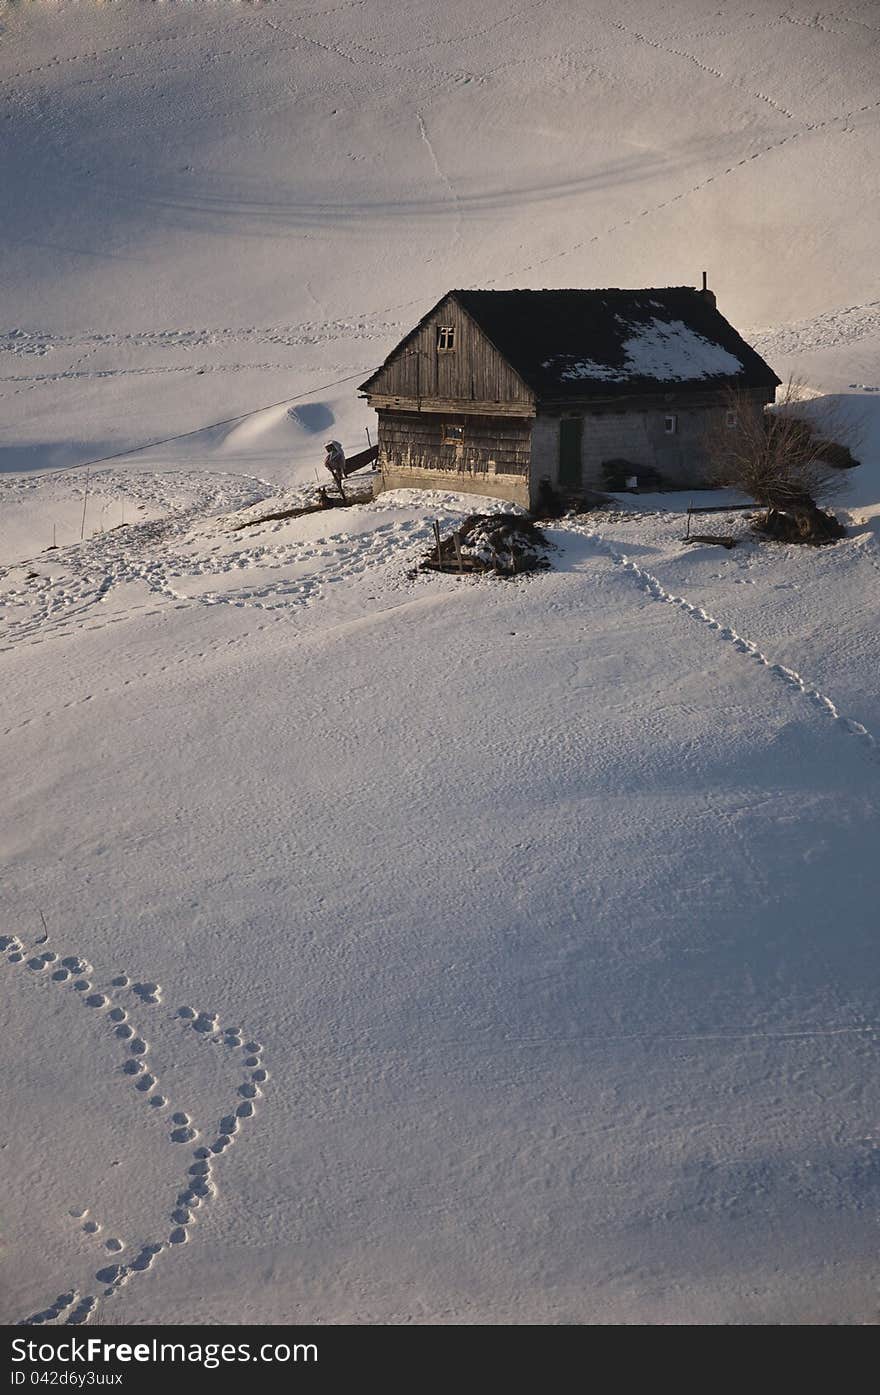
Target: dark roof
[[582, 343]]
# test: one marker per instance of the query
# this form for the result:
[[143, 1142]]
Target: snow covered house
[[507, 392]]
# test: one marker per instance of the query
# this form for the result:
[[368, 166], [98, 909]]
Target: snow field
[[548, 906], [570, 925]]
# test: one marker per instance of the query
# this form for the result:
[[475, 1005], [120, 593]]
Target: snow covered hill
[[216, 205], [416, 949]]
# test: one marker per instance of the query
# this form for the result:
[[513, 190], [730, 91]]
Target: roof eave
[[600, 392]]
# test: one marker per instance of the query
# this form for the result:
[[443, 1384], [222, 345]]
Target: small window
[[452, 435], [670, 424], [731, 421], [445, 338]]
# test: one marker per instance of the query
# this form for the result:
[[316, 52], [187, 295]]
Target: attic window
[[445, 339], [670, 424], [453, 435], [730, 421]]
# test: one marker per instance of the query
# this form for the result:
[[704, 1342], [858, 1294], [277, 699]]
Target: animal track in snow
[[845, 325], [39, 343], [650, 584], [93, 56], [843, 120], [62, 1305], [147, 992], [199, 1181], [705, 67]]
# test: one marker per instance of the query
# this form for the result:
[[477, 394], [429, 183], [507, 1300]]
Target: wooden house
[[507, 393]]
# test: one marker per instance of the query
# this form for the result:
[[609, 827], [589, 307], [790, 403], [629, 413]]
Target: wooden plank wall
[[473, 372], [415, 440]]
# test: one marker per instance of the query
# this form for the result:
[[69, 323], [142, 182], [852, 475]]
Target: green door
[[570, 432]]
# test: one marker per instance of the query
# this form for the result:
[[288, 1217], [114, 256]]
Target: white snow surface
[[512, 943], [666, 350]]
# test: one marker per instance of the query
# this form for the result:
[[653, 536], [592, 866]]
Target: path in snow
[[650, 584]]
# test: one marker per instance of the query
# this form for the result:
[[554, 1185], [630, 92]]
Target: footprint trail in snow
[[198, 1180]]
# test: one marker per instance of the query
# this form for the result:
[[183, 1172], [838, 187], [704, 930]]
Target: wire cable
[[182, 435]]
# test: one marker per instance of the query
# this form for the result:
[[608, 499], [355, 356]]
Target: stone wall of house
[[545, 451], [508, 457], [637, 433]]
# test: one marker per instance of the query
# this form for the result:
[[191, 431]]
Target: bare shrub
[[792, 455]]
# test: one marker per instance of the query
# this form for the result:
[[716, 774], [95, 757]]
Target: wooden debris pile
[[800, 523], [507, 544]]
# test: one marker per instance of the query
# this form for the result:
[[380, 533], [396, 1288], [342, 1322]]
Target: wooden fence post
[[455, 539], [82, 530]]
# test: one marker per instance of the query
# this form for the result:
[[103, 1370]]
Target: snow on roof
[[669, 351]]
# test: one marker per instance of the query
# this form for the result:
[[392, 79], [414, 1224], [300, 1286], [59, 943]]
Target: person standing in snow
[[334, 461]]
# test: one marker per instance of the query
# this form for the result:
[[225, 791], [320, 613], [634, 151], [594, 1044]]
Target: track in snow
[[698, 62], [56, 608], [111, 1009], [846, 325], [74, 601], [654, 588]]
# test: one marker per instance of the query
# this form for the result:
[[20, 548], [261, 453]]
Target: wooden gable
[[428, 373]]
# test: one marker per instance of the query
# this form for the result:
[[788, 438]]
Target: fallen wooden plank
[[282, 513], [723, 508], [362, 458], [716, 539], [323, 501]]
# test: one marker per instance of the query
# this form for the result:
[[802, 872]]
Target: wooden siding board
[[415, 440], [473, 371]]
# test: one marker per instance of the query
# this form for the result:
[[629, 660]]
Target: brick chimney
[[707, 294]]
